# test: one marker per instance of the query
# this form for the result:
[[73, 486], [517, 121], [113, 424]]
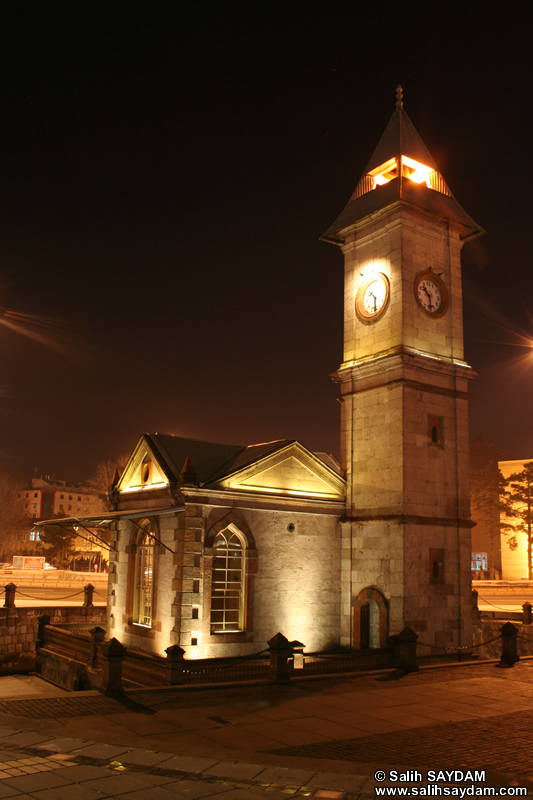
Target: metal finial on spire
[[399, 96]]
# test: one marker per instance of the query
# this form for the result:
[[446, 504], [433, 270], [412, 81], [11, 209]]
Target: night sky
[[166, 176]]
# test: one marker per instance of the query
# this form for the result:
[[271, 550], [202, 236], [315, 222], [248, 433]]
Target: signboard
[[28, 562]]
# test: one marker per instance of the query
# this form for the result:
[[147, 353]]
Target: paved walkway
[[319, 738]]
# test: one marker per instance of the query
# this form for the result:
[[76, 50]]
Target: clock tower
[[404, 397]]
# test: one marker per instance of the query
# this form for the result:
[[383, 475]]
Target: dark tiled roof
[[210, 460]]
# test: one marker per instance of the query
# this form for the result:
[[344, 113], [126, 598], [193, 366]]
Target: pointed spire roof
[[401, 168]]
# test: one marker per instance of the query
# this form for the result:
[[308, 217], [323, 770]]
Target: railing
[[329, 664], [109, 666], [63, 642], [144, 669], [225, 670]]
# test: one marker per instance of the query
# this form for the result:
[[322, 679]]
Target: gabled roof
[[209, 460], [192, 461], [399, 141]]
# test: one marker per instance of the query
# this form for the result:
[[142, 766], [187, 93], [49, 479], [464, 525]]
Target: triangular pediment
[[293, 471], [143, 471]]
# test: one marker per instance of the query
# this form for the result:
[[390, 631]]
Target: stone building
[[217, 547]]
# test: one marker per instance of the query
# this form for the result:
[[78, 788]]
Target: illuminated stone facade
[[404, 384], [217, 547], [279, 503]]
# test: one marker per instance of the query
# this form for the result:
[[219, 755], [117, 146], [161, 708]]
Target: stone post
[[113, 652], [405, 651], [97, 637], [42, 622], [526, 608], [281, 650], [509, 654], [10, 591], [298, 660], [174, 664], [88, 599]]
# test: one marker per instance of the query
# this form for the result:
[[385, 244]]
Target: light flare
[[46, 331]]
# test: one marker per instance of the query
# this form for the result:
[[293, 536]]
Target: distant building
[[46, 498], [485, 508], [514, 545], [497, 554]]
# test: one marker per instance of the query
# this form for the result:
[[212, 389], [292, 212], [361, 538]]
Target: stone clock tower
[[404, 396]]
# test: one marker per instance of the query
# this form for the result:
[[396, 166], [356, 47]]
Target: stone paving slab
[[356, 724], [64, 745]]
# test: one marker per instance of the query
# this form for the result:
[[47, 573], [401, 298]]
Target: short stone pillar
[[174, 664], [298, 660], [475, 597], [509, 654], [113, 652], [97, 637], [88, 599], [281, 652], [526, 610], [405, 650], [10, 591], [42, 622]]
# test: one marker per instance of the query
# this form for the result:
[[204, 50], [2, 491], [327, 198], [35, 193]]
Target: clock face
[[372, 296], [431, 293]]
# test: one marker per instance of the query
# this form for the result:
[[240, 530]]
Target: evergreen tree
[[516, 500], [59, 543]]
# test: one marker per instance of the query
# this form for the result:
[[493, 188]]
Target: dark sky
[[166, 175]]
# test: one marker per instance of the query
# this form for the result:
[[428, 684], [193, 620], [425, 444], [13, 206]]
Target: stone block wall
[[488, 627], [18, 632]]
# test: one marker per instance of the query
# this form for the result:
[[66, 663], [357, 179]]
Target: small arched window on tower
[[227, 587], [436, 565], [144, 575], [435, 430]]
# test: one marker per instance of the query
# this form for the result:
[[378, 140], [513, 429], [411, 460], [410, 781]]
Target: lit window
[[227, 594], [144, 576], [479, 562], [414, 170]]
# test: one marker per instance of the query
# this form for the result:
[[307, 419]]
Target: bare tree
[[105, 474]]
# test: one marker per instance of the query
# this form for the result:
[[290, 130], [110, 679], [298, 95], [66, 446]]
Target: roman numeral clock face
[[372, 296], [431, 293]]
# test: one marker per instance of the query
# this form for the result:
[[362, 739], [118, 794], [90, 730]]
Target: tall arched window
[[227, 588], [144, 575]]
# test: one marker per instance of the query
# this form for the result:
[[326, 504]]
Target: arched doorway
[[370, 619]]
